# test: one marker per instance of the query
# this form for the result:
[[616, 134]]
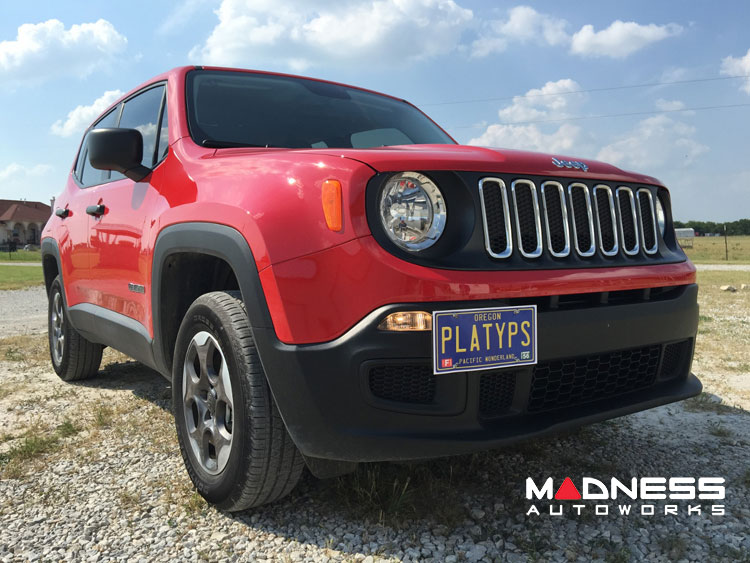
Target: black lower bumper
[[366, 396]]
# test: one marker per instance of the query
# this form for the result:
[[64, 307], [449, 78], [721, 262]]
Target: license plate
[[477, 339]]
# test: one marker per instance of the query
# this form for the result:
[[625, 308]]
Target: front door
[[120, 265]]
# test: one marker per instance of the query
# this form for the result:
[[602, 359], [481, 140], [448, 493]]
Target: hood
[[482, 159]]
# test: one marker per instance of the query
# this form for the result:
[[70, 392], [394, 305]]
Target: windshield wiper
[[213, 144]]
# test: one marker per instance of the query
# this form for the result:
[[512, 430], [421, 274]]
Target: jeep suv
[[327, 278]]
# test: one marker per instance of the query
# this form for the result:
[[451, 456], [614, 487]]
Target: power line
[[581, 117], [587, 90]]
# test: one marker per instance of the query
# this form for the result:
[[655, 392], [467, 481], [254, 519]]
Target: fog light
[[407, 320]]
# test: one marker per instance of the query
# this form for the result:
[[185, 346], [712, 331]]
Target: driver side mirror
[[120, 150]]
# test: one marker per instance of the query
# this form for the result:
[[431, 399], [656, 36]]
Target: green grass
[[710, 250], [21, 256], [18, 277]]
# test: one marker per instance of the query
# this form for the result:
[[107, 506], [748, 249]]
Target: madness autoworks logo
[[646, 496]]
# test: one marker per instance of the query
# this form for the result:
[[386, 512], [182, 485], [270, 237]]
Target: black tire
[[76, 358], [263, 464]]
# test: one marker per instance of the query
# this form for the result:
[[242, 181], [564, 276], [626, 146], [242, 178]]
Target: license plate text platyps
[[477, 339]]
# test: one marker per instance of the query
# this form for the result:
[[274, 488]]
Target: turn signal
[[406, 321], [332, 204]]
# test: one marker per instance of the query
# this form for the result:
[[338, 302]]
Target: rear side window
[[142, 113]]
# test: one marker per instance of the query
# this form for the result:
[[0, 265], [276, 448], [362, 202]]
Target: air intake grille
[[564, 219], [403, 383], [580, 380], [496, 389], [676, 359]]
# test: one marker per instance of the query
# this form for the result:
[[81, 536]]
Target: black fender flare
[[216, 240], [50, 247]]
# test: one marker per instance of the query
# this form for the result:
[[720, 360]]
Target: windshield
[[228, 109]]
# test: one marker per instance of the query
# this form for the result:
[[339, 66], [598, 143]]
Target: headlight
[[661, 218], [412, 211]]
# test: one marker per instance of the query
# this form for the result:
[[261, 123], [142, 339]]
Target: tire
[[73, 357], [234, 443]]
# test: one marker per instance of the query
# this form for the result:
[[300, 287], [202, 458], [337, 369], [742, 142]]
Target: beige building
[[22, 221]]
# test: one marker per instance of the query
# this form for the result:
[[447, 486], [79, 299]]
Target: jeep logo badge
[[570, 164]]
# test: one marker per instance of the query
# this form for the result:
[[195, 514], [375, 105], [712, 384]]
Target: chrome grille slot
[[606, 220], [628, 220], [648, 221], [556, 219], [528, 222], [582, 219], [497, 230]]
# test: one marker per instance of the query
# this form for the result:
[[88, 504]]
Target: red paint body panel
[[317, 283], [319, 297]]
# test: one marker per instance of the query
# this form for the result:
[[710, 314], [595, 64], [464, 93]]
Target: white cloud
[[620, 39], [46, 50], [523, 24], [37, 182], [82, 116], [655, 142], [564, 139], [251, 32], [737, 66], [15, 171], [551, 101], [181, 15], [554, 100], [669, 105]]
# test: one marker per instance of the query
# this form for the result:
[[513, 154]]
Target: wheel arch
[[199, 239], [51, 266]]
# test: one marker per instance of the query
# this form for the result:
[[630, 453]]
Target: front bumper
[[325, 395]]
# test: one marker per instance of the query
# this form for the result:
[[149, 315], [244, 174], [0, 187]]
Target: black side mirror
[[120, 150]]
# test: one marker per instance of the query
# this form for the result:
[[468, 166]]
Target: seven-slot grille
[[564, 219]]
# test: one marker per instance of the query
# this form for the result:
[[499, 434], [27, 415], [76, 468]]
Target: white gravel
[[117, 489]]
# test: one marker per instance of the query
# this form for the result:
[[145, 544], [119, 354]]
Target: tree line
[[741, 227]]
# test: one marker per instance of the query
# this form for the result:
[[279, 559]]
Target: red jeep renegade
[[327, 278]]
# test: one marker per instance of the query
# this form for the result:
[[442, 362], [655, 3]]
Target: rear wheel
[[73, 357], [235, 445]]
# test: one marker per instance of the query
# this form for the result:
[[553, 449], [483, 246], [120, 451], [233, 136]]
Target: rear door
[[120, 263]]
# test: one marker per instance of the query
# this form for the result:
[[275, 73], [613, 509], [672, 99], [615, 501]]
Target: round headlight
[[412, 211], [661, 218]]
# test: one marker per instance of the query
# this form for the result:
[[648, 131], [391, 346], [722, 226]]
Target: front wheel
[[73, 357], [234, 444]]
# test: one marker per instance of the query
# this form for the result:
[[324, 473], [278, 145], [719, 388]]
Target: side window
[[86, 174], [142, 113]]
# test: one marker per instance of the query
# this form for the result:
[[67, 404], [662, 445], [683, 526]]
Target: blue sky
[[492, 73]]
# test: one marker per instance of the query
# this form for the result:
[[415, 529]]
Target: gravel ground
[[92, 471], [23, 311]]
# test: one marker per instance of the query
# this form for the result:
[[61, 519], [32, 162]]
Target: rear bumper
[[326, 397]]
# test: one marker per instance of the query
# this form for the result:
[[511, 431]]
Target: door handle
[[62, 213], [96, 210]]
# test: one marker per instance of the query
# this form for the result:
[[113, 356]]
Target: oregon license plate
[[476, 339]]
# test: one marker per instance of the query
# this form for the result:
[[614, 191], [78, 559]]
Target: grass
[[704, 403], [19, 277], [103, 415], [719, 430], [15, 462], [710, 250], [31, 350], [21, 256]]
